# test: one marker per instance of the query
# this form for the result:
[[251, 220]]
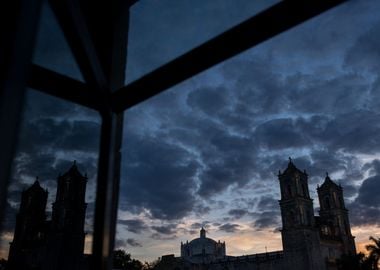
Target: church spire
[[328, 183]]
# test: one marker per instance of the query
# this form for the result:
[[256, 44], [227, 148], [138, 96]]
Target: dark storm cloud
[[51, 126], [267, 220], [201, 209], [159, 177], [348, 190], [197, 226], [237, 213], [364, 53], [133, 243], [333, 120], [353, 134], [73, 135], [165, 229], [267, 202], [365, 209], [267, 214], [268, 135], [201, 98], [134, 225], [368, 192], [129, 242], [158, 236], [363, 215], [186, 24], [229, 228], [230, 160], [207, 138], [9, 221], [373, 167]]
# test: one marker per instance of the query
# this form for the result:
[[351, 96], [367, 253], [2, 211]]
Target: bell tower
[[67, 225], [300, 237], [296, 205], [335, 215], [29, 235]]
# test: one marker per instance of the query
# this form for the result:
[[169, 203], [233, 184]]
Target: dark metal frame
[[97, 33]]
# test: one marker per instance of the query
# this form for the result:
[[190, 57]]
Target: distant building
[[203, 249], [309, 242], [56, 244]]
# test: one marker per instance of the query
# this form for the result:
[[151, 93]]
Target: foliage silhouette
[[123, 261], [360, 261], [374, 252]]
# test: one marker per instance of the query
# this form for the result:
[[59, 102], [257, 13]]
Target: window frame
[[95, 50]]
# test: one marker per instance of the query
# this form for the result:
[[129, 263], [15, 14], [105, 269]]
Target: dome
[[203, 247]]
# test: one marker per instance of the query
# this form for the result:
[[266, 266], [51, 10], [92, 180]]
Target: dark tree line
[[123, 261]]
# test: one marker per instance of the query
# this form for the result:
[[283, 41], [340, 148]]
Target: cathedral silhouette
[[56, 244], [309, 242]]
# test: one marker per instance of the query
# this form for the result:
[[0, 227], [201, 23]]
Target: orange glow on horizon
[[362, 234]]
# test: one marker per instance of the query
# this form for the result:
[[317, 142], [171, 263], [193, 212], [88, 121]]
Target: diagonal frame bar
[[75, 29], [58, 85], [251, 32]]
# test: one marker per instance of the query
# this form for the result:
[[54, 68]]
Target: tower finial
[[75, 162], [327, 174], [203, 233], [290, 160]]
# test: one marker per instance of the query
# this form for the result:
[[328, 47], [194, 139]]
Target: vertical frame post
[[110, 37], [16, 48]]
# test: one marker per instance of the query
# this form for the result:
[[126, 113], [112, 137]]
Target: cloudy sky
[[207, 151]]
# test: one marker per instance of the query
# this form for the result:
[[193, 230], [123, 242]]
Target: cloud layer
[[206, 153]]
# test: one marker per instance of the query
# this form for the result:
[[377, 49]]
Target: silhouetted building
[[203, 249], [309, 242], [29, 240], [333, 223], [66, 238], [56, 244]]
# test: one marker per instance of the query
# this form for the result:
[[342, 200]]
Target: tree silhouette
[[123, 261], [374, 252]]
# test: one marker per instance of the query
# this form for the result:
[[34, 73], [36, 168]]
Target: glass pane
[[163, 30], [207, 153], [50, 203], [52, 50]]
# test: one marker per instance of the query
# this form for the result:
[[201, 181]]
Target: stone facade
[[309, 242]]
